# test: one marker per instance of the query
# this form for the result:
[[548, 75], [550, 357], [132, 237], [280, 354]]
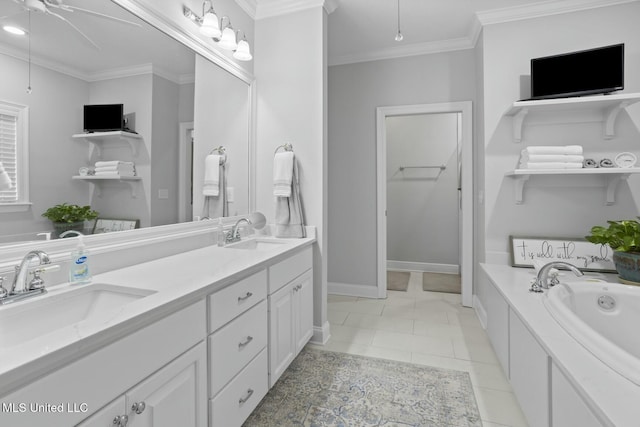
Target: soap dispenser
[[79, 272]]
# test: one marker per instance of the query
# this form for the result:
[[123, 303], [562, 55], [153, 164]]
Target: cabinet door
[[567, 407], [303, 309], [529, 372], [281, 332], [112, 415], [176, 395]]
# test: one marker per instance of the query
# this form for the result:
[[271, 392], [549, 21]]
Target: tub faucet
[[542, 279], [234, 234]]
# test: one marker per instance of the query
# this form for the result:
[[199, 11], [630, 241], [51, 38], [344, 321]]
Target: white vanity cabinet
[[290, 311], [238, 375], [172, 396], [155, 364]]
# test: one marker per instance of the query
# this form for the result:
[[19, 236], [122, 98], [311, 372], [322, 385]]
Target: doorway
[[185, 172], [424, 192]]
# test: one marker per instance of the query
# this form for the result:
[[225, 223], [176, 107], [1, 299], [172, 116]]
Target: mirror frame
[[11, 251]]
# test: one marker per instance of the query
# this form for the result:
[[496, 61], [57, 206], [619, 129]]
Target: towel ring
[[221, 150], [287, 147]]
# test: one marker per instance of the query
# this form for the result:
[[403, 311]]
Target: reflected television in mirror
[[103, 117]]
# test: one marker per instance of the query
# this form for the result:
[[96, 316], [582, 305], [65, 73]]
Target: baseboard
[[480, 311], [426, 267], [321, 334], [351, 290]]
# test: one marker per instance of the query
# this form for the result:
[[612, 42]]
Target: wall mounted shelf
[[98, 181], [100, 138], [609, 105], [612, 176]]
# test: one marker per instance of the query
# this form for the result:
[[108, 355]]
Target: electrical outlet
[[163, 193]]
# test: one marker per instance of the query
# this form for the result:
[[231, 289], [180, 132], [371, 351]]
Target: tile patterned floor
[[428, 328]]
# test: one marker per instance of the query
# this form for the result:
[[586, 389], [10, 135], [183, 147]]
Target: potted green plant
[[69, 217], [624, 238]]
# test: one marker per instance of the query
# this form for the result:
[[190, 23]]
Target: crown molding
[[283, 7], [249, 6], [538, 10], [411, 49]]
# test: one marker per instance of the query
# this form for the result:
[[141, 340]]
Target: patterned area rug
[[398, 280], [323, 388], [441, 282]]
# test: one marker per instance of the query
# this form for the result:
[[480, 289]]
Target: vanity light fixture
[[243, 53], [226, 38], [14, 30], [399, 35]]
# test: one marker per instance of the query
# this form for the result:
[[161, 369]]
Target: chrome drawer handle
[[138, 407], [244, 399], [248, 295], [244, 343], [121, 421]]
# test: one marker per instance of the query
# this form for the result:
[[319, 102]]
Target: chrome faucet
[[542, 279], [234, 234], [20, 289], [68, 232]]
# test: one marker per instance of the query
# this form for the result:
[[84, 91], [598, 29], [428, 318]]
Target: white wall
[[55, 113], [290, 60], [355, 90], [553, 206], [422, 204]]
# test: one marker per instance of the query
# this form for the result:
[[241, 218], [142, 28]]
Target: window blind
[[8, 154]]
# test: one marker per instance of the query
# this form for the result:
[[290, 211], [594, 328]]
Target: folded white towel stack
[[211, 184], [282, 173], [5, 180], [551, 157], [115, 168]]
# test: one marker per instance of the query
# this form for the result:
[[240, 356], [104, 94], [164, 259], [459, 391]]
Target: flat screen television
[[103, 117], [586, 72]]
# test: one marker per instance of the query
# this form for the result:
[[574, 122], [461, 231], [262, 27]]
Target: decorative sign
[[585, 255], [107, 225]]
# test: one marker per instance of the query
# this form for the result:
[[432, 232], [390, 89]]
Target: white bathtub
[[604, 318]]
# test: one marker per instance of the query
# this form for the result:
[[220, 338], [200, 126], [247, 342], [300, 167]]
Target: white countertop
[[178, 281], [615, 397]]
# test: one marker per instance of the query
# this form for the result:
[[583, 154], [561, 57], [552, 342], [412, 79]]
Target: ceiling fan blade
[[74, 27], [91, 12]]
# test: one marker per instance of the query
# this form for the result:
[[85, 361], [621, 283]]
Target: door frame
[[184, 174], [466, 192]]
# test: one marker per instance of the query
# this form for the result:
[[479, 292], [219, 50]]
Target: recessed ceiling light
[[14, 30]]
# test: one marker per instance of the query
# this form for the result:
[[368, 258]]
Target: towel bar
[[441, 167], [222, 151], [287, 147]]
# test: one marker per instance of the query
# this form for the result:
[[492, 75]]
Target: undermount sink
[[30, 319], [256, 244]]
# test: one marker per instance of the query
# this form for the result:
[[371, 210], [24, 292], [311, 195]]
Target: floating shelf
[[99, 180], [613, 177], [100, 138], [609, 105]]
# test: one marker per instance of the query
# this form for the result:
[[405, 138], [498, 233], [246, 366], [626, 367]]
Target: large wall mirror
[[184, 106]]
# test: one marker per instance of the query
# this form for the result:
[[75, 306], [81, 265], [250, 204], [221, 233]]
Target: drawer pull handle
[[120, 421], [244, 399], [245, 342], [248, 295], [138, 407]]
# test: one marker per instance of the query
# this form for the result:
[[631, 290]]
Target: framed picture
[[581, 253], [107, 225]]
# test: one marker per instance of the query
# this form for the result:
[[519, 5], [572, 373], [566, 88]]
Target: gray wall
[[355, 90]]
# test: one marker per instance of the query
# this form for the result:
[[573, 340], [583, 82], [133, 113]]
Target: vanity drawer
[[285, 271], [235, 345], [240, 397], [235, 299]]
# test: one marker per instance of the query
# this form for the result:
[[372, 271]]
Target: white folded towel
[[115, 173], [545, 158], [211, 184], [543, 149], [112, 163], [282, 173], [551, 165], [124, 168], [5, 180]]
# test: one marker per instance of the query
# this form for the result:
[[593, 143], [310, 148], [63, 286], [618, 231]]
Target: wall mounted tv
[[103, 117], [586, 72]]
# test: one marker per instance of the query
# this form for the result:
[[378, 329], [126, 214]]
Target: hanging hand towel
[[282, 173], [5, 180], [289, 217], [211, 185]]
